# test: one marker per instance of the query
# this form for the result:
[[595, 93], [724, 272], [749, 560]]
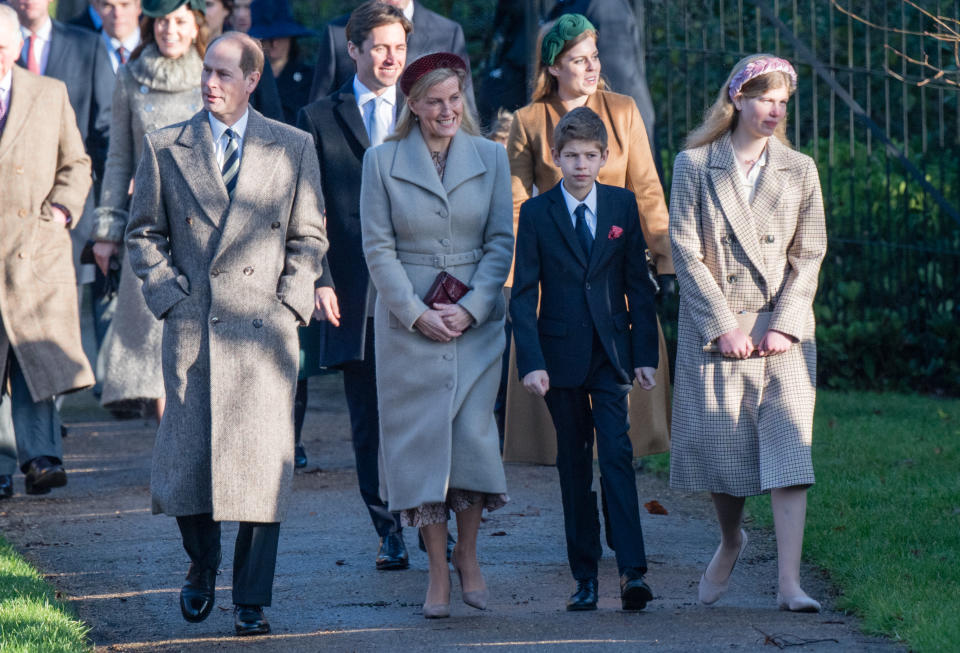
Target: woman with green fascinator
[[158, 86], [568, 77]]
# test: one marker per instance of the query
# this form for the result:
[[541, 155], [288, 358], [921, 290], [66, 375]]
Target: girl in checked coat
[[748, 236], [435, 197]]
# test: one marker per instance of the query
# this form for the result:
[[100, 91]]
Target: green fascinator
[[160, 8], [568, 26]]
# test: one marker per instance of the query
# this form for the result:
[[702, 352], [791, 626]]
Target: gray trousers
[[28, 429]]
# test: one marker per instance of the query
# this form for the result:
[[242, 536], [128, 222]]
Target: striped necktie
[[231, 162]]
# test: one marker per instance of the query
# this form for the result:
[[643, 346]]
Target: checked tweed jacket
[[742, 427]]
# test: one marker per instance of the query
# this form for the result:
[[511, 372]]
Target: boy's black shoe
[[634, 592], [585, 598]]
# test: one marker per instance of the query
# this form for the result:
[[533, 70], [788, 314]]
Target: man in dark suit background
[[88, 19], [431, 33], [78, 59], [360, 114], [117, 23]]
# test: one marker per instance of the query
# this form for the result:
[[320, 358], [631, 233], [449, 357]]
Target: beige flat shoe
[[710, 592]]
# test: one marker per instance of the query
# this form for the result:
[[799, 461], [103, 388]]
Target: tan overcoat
[[742, 427], [437, 429], [529, 431], [42, 162], [231, 281]]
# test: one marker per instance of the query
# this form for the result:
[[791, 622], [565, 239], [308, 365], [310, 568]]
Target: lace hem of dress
[[457, 500]]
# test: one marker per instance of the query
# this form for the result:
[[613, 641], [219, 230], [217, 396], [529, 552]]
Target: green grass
[[884, 516], [31, 619]]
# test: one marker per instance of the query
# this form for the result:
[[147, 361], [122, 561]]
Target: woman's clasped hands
[[736, 344], [444, 322]]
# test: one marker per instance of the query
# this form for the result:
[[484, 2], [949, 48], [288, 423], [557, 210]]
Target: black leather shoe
[[299, 457], [43, 474], [6, 486], [585, 598], [392, 553], [196, 597], [450, 544], [634, 592], [250, 620]]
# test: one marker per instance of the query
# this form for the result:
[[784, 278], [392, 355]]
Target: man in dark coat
[[431, 33], [620, 41], [357, 116], [274, 25]]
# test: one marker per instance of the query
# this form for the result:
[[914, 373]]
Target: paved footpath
[[122, 568]]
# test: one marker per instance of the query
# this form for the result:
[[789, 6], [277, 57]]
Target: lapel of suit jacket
[[463, 162], [605, 217], [258, 164], [561, 217], [57, 59], [23, 95], [412, 163], [198, 164], [723, 176], [769, 185], [349, 112]]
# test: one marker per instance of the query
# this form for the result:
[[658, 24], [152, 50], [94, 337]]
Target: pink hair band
[[759, 67]]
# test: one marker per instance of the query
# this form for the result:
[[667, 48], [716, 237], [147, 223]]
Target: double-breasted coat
[[437, 429], [231, 280], [42, 163], [529, 431], [742, 427]]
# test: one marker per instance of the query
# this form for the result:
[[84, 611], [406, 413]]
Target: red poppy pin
[[614, 233]]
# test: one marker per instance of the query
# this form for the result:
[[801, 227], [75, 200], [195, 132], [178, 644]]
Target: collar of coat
[[412, 163], [25, 88], [749, 220], [195, 156]]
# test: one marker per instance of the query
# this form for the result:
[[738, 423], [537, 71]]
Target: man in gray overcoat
[[226, 231]]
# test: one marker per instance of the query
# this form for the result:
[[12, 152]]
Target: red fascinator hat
[[426, 64]]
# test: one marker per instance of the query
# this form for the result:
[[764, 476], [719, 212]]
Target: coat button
[[448, 356], [214, 320], [19, 170], [257, 323], [215, 273], [248, 271], [189, 220], [442, 213], [445, 242], [770, 238], [22, 213], [21, 255], [731, 278], [275, 225], [449, 385], [588, 285]]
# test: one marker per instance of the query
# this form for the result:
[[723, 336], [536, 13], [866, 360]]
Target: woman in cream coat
[[569, 77], [748, 234], [435, 197], [159, 86]]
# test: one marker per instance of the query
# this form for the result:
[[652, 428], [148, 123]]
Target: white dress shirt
[[220, 141], [590, 200], [41, 48], [5, 90], [129, 45], [408, 11], [385, 109], [748, 182]]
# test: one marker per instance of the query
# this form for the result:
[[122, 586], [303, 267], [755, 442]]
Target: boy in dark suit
[[581, 256]]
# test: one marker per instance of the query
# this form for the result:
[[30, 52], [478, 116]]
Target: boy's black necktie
[[583, 231]]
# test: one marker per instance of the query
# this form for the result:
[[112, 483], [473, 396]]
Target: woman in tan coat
[[434, 198], [748, 234], [569, 77]]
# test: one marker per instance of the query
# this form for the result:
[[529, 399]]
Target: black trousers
[[360, 387], [575, 421], [254, 554]]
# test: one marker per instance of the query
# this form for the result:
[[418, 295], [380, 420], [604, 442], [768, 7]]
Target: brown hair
[[580, 124], [370, 15], [546, 84], [407, 119], [722, 116], [251, 52], [147, 36]]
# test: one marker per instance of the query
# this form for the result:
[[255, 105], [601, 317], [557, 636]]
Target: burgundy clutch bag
[[445, 289]]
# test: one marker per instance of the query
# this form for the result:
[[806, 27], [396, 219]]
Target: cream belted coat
[[742, 427], [231, 280], [437, 429]]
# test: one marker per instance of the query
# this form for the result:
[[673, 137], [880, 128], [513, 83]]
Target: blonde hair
[[408, 120], [722, 116], [546, 84]]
